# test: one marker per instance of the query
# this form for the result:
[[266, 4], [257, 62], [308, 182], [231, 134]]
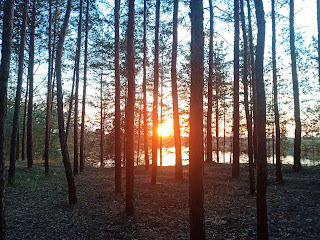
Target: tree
[[4, 76], [117, 99], [318, 21], [175, 102], [76, 96], [155, 129], [275, 94], [295, 83], [260, 121], [101, 123], [144, 87], [30, 76], [62, 134], [236, 150], [83, 114], [14, 150], [197, 225], [246, 99], [209, 115], [130, 112], [49, 95]]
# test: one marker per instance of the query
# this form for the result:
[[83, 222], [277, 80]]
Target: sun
[[166, 129]]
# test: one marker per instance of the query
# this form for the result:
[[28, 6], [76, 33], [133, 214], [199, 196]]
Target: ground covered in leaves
[[36, 206]]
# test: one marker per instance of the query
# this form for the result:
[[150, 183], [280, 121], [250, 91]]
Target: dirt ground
[[36, 206]]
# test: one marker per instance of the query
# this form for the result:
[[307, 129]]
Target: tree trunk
[[318, 21], [71, 98], [23, 140], [62, 134], [14, 150], [130, 112], [83, 114], [161, 112], [4, 76], [209, 115], [76, 98], [246, 100], [236, 150], [117, 100], [30, 76], [295, 83], [155, 129], [175, 102], [139, 133], [275, 94], [253, 79], [49, 96], [101, 124], [261, 201], [197, 224]]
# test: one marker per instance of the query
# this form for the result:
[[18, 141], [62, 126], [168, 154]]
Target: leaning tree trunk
[[197, 223], [155, 129], [275, 94], [14, 150], [261, 200], [209, 115], [62, 133], [295, 83], [30, 76], [76, 99], [246, 100], [83, 114], [130, 112], [236, 150], [117, 144], [175, 102], [4, 77], [49, 96]]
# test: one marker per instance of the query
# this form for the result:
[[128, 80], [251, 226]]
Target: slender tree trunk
[[62, 134], [318, 21], [161, 113], [275, 95], [117, 100], [71, 98], [252, 65], [295, 83], [155, 130], [14, 150], [210, 79], [76, 98], [130, 112], [175, 102], [236, 150], [83, 113], [139, 133], [4, 76], [197, 223], [217, 118], [261, 201], [30, 76], [49, 96], [23, 140], [101, 124], [224, 129], [246, 100]]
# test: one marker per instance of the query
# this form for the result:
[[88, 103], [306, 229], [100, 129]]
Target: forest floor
[[36, 206]]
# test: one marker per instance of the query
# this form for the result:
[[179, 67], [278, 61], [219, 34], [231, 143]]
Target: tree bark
[[117, 100], [197, 224], [62, 134], [4, 76], [295, 83], [210, 79], [236, 150], [246, 100], [155, 129], [30, 76], [318, 22], [23, 140], [275, 94], [261, 201], [14, 150], [101, 124], [49, 97], [76, 98], [175, 100], [83, 114], [130, 112]]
